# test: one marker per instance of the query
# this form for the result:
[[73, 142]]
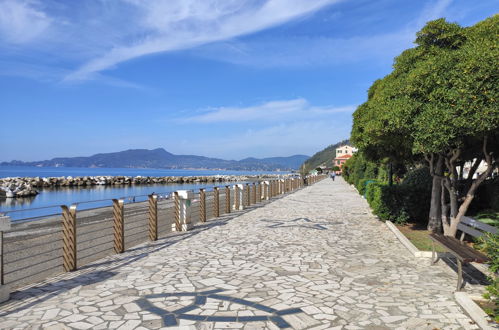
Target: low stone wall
[[23, 187]]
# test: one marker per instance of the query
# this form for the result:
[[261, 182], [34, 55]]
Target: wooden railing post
[[248, 196], [216, 202], [202, 205], [119, 225], [176, 201], [69, 237], [254, 193], [227, 199], [153, 217], [259, 193], [237, 191]]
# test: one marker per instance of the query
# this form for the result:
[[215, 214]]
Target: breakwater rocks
[[24, 187], [16, 189]]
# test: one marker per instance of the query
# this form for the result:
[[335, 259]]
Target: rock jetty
[[24, 187], [16, 189]]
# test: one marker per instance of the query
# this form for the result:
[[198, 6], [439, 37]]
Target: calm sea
[[31, 171], [48, 200]]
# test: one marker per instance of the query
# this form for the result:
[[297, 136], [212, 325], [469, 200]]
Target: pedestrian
[[333, 175]]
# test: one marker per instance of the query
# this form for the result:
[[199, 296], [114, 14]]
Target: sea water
[[48, 201]]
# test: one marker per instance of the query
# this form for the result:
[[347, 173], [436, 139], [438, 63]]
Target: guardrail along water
[[69, 238]]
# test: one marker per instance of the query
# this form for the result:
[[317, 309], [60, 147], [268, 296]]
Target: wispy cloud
[[283, 139], [89, 38], [282, 110], [303, 51], [317, 50], [433, 11], [182, 24], [22, 21]]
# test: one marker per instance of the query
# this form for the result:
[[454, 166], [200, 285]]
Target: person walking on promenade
[[333, 175]]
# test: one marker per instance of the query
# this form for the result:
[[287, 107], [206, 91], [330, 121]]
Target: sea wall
[[23, 187]]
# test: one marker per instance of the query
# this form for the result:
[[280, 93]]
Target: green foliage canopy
[[441, 95]]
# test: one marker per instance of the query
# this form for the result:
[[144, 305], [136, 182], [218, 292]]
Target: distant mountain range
[[160, 158]]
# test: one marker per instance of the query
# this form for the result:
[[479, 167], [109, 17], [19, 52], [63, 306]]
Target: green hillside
[[323, 157]]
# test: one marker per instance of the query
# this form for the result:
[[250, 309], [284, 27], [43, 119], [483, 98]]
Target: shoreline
[[13, 187], [94, 180]]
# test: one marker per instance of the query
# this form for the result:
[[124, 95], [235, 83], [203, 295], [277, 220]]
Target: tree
[[440, 103], [458, 120]]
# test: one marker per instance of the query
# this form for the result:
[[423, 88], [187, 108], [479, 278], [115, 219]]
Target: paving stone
[[315, 259], [50, 314], [81, 325]]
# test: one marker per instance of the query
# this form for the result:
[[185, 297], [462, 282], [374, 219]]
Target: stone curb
[[473, 310], [462, 298], [405, 242]]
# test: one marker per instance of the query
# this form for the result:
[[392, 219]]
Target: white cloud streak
[[284, 139], [22, 21], [92, 38], [283, 110], [296, 51], [182, 24]]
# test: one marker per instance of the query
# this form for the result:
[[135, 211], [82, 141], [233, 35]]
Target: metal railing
[[36, 249]]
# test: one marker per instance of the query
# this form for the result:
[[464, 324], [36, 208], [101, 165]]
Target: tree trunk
[[445, 209], [462, 211], [450, 212], [435, 215], [491, 164]]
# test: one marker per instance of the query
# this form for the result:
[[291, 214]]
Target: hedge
[[399, 203]]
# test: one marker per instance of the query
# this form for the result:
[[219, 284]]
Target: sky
[[217, 78]]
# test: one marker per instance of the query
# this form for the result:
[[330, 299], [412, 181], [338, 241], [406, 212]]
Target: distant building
[[482, 167], [345, 150], [342, 154]]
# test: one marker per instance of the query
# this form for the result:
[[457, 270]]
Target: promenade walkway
[[316, 259]]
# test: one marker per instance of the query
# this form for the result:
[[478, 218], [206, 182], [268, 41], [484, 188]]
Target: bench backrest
[[474, 228]]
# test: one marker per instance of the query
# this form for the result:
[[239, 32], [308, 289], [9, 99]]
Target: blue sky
[[219, 78]]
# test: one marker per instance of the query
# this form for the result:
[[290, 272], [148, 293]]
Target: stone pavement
[[314, 259]]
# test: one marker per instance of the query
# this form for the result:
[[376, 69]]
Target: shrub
[[358, 167], [402, 217], [362, 185], [487, 196], [398, 203], [380, 198], [491, 192], [489, 244], [419, 177], [415, 200]]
